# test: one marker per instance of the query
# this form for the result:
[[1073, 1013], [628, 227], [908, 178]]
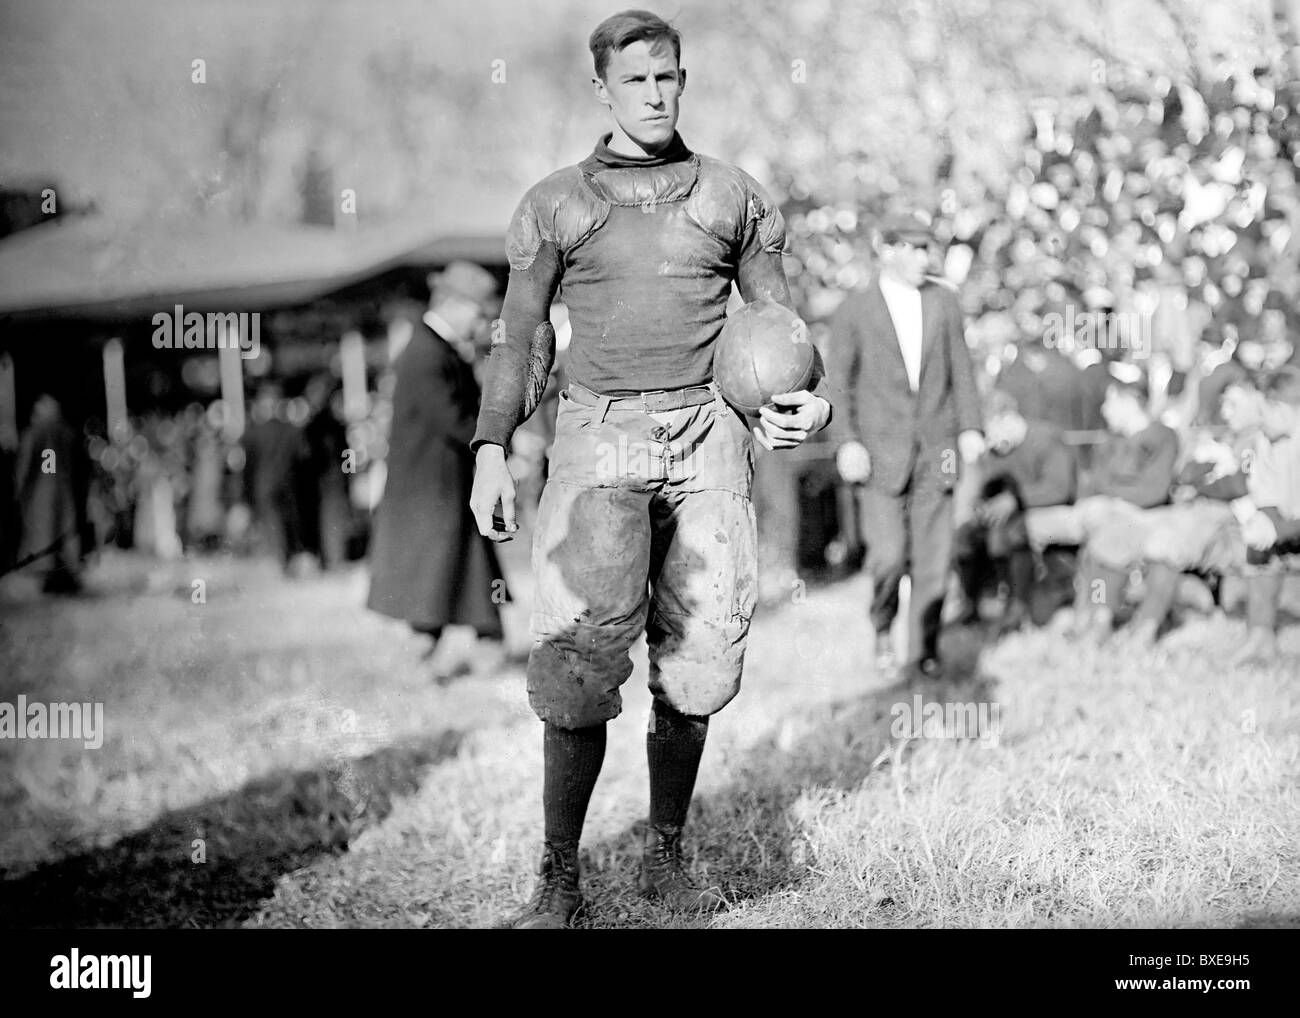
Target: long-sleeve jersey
[[1137, 468], [1039, 471], [1273, 483], [643, 251]]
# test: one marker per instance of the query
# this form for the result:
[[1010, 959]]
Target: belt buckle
[[645, 402]]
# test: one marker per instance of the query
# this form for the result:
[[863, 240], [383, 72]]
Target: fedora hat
[[465, 279]]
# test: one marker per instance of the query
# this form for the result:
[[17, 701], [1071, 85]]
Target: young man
[[913, 412], [1027, 466], [1200, 533], [1270, 516], [651, 471], [1131, 471]]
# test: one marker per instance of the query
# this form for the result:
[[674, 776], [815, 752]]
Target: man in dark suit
[[912, 417]]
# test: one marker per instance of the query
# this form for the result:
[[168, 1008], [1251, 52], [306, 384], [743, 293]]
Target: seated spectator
[[1027, 466], [1247, 520], [1200, 533], [1132, 470], [1270, 515], [1223, 363]]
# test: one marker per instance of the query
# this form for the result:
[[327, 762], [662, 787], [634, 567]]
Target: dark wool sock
[[572, 760], [1101, 586], [674, 745], [1020, 575], [1112, 582], [1161, 590], [1083, 572]]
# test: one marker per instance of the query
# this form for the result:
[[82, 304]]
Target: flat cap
[[905, 227]]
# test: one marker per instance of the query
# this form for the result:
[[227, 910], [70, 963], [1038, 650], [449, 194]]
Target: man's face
[[1120, 409], [265, 405], [641, 87], [1251, 354], [1006, 430], [45, 409], [1277, 353], [461, 313], [1241, 408], [907, 262]]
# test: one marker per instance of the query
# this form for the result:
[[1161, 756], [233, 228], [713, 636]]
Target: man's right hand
[[853, 462], [493, 484]]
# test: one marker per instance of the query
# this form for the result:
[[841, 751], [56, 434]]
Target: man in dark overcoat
[[51, 475], [430, 566]]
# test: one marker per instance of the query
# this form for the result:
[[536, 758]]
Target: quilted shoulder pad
[[559, 209], [727, 200]]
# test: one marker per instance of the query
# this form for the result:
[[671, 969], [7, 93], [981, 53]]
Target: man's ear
[[681, 80], [602, 95]]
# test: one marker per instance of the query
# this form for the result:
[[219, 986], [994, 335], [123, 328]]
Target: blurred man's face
[[1241, 408], [465, 316], [265, 405], [641, 87], [906, 262], [46, 408], [1277, 353], [1006, 430], [1251, 354], [1121, 410]]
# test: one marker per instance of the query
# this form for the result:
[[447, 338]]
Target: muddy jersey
[[643, 252]]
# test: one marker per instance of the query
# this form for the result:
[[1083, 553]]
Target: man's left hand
[[802, 414]]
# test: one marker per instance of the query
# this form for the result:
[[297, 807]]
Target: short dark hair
[[626, 27], [1282, 385]]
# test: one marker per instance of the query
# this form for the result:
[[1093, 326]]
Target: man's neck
[[621, 143], [618, 149], [890, 279]]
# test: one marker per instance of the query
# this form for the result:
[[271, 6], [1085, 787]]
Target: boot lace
[[558, 878]]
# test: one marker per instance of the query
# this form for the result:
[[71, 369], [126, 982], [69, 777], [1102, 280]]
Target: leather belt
[[655, 401]]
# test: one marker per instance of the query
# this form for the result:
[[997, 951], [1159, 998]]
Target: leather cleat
[[663, 878], [1260, 650], [557, 897]]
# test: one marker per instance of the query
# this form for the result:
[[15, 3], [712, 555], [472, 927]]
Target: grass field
[[277, 756]]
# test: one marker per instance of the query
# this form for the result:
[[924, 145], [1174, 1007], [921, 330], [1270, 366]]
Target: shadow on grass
[[746, 836], [271, 826]]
